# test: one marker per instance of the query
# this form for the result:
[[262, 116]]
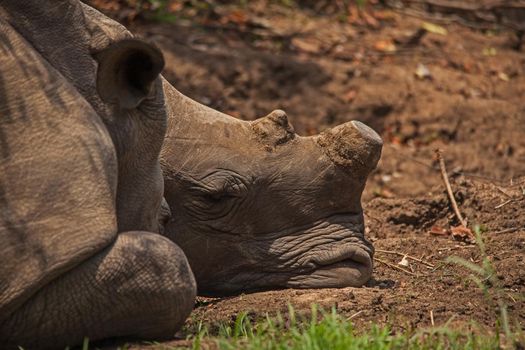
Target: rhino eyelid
[[222, 181], [226, 190]]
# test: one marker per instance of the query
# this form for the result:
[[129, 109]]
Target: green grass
[[330, 330]]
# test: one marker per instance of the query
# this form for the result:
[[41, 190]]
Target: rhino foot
[[140, 286]]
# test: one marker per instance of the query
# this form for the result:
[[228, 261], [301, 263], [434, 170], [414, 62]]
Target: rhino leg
[[141, 286]]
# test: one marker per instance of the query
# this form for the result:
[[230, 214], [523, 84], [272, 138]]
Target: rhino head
[[256, 206]]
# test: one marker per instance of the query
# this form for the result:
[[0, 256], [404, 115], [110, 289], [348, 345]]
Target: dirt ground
[[456, 87]]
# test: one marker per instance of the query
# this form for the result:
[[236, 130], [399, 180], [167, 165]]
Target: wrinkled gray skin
[[82, 119], [255, 206]]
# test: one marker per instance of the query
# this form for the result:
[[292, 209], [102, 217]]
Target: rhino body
[[83, 116], [82, 119]]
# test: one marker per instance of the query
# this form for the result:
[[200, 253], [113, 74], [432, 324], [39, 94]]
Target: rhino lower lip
[[353, 254], [346, 266]]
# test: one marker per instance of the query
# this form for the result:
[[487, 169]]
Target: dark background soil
[[326, 64]]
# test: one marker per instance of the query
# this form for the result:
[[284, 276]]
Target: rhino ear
[[127, 70]]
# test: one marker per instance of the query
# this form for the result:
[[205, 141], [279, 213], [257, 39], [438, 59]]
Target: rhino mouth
[[344, 258], [342, 254], [345, 266]]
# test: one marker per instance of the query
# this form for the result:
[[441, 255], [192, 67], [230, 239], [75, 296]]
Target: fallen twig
[[507, 230], [449, 189], [504, 193], [405, 255], [504, 203], [394, 266], [355, 315]]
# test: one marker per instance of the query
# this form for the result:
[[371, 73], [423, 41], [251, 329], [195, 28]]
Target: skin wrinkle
[[286, 234], [292, 249], [288, 251], [44, 137], [199, 186], [25, 31], [196, 208], [306, 250]]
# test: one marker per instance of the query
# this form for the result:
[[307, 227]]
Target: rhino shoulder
[[58, 174]]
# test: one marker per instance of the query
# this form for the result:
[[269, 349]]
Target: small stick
[[449, 189], [432, 317], [507, 230], [394, 266], [504, 203], [510, 296], [405, 255], [355, 315], [505, 193]]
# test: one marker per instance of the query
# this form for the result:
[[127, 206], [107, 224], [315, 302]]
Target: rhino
[[92, 138], [82, 120]]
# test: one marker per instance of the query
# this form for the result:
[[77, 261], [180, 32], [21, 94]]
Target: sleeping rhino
[[256, 206], [82, 120], [83, 114]]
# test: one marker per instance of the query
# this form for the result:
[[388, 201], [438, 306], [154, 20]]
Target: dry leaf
[[175, 7], [383, 193], [438, 231], [462, 233], [489, 51], [385, 46], [422, 72], [403, 262], [370, 20], [350, 95], [385, 15], [310, 45], [503, 76], [238, 17], [434, 28]]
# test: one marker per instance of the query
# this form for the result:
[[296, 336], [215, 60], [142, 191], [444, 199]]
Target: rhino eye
[[217, 195], [220, 186], [221, 195]]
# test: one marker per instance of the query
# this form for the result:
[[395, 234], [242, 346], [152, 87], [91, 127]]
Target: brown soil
[[324, 70]]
